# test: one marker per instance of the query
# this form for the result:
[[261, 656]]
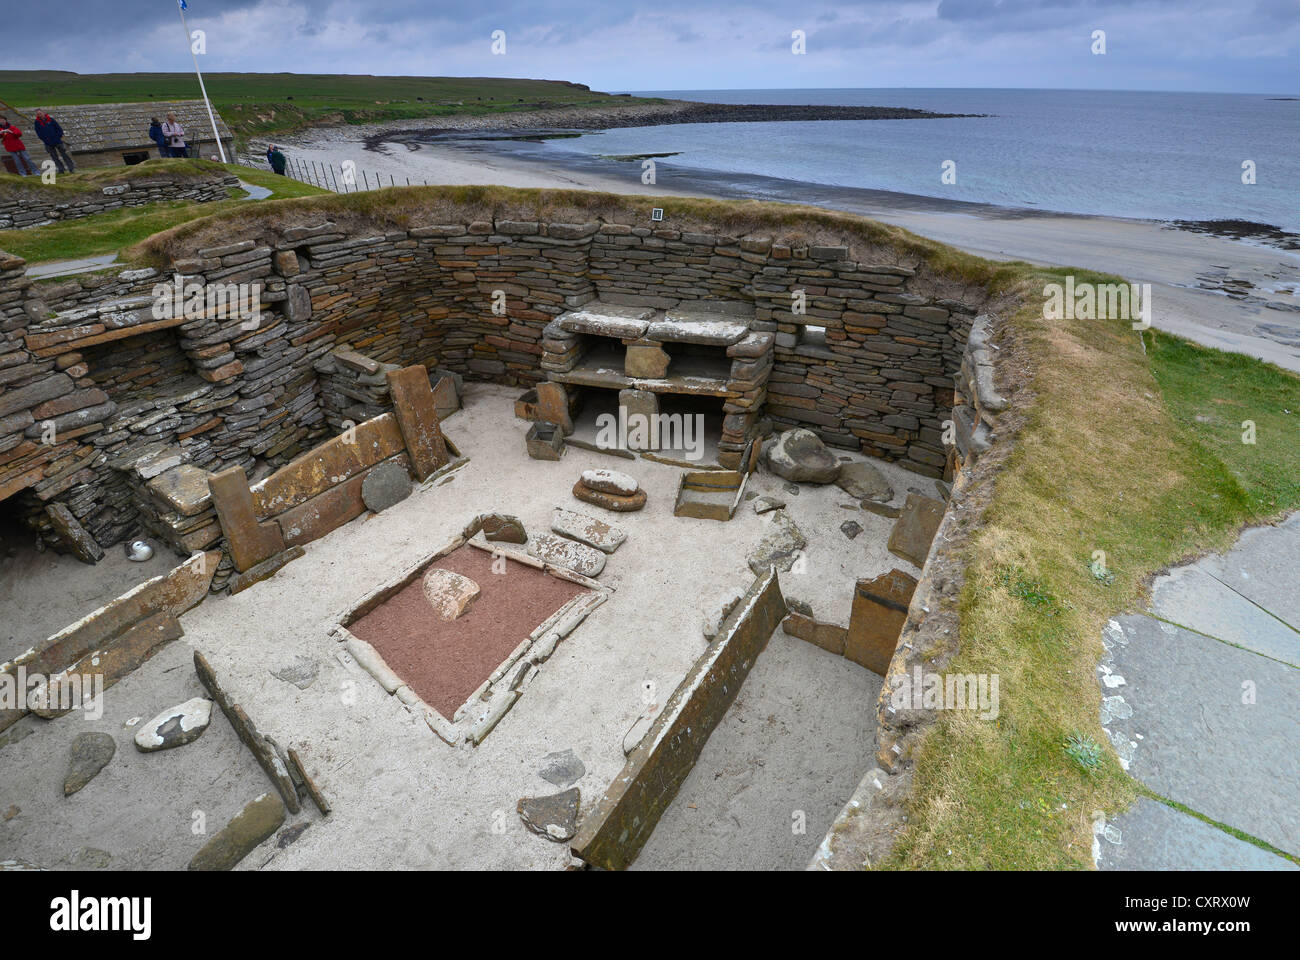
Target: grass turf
[[116, 230], [1135, 454]]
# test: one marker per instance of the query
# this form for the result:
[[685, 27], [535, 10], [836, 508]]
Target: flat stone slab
[[608, 320], [610, 481], [1194, 598], [448, 592], [387, 484], [916, 527], [562, 769], [588, 530], [1206, 724], [554, 817], [697, 324], [1264, 567], [567, 553], [610, 501], [863, 481], [176, 726], [1152, 836], [779, 546], [184, 489], [90, 754]]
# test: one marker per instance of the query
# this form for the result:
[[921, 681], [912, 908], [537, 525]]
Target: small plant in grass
[[1101, 574], [1083, 750], [1032, 592]]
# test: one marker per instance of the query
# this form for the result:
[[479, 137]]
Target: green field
[[264, 103], [114, 230]]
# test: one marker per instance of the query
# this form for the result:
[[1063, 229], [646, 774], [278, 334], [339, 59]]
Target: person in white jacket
[[175, 135]]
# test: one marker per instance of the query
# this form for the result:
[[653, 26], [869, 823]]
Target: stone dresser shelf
[[698, 348], [603, 367]]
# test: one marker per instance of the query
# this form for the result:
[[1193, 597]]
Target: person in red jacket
[[13, 141]]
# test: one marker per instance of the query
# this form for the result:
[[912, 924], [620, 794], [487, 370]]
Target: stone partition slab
[[618, 826], [329, 464], [170, 594], [416, 411], [250, 542]]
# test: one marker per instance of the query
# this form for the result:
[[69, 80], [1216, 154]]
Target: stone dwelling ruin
[[239, 438], [116, 134]]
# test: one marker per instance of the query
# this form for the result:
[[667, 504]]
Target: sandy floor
[[1172, 261], [776, 771], [144, 811], [42, 592], [402, 798]]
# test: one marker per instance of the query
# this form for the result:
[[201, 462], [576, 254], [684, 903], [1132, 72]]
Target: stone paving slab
[[1192, 597], [1173, 706], [64, 268], [254, 191], [1264, 567], [1152, 836]]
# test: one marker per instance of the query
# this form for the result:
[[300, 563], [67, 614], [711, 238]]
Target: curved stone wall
[[868, 337]]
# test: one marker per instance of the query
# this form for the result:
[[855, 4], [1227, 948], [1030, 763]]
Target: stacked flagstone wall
[[130, 395], [22, 206]]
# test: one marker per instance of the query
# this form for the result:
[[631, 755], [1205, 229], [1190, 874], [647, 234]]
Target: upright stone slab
[[553, 406], [265, 754], [620, 823], [82, 544], [877, 618], [250, 542], [237, 839], [916, 527], [417, 416], [104, 666], [640, 411], [646, 360], [334, 461]]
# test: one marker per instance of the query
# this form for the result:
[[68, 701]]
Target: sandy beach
[[1235, 295]]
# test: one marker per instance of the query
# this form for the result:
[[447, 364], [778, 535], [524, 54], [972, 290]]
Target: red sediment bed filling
[[444, 662]]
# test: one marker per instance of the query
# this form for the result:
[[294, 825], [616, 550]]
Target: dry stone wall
[[342, 306], [23, 207]]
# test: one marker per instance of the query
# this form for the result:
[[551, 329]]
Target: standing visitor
[[13, 141], [156, 135], [175, 135], [277, 159], [51, 134]]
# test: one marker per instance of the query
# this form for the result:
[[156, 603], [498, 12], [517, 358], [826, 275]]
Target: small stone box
[[545, 441]]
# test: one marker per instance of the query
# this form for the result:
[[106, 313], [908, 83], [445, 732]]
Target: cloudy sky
[[1232, 46]]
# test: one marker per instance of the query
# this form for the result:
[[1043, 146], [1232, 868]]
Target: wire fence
[[345, 177]]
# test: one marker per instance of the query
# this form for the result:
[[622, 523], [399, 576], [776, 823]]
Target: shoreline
[[644, 115], [1214, 282]]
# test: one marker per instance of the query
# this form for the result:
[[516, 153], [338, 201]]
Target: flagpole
[[202, 89]]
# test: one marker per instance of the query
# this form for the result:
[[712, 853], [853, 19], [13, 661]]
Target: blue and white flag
[[182, 4]]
